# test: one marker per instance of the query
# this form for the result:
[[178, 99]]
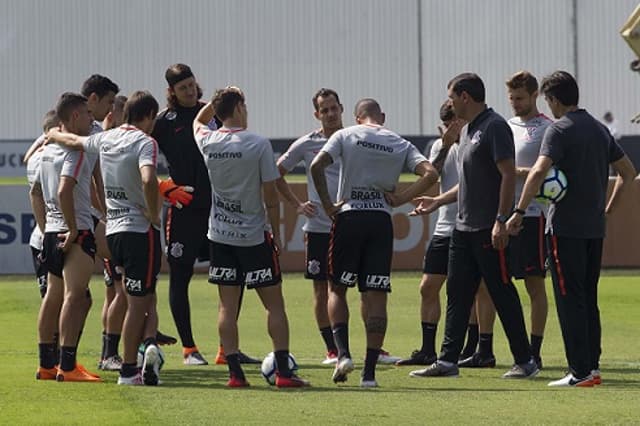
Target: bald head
[[368, 108]]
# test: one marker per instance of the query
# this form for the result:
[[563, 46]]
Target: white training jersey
[[96, 127], [56, 162], [448, 179], [305, 149], [33, 170], [527, 137], [238, 163], [372, 159], [123, 152]]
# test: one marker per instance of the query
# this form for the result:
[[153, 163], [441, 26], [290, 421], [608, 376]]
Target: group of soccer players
[[225, 207]]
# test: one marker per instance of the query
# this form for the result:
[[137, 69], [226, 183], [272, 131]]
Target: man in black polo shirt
[[486, 170], [582, 148]]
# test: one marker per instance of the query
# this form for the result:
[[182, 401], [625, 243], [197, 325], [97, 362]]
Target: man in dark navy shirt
[[486, 170], [583, 149]]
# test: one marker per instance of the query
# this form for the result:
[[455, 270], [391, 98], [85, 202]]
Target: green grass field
[[197, 395]]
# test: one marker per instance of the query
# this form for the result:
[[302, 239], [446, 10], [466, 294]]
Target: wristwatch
[[501, 219]]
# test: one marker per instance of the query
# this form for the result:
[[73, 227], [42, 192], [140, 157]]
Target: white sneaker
[[386, 358], [131, 381], [332, 358], [570, 381], [194, 358], [112, 363], [368, 383], [151, 366], [344, 366]]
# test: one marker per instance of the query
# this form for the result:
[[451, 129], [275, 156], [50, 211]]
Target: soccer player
[[185, 228], [527, 251], [486, 171], [69, 245], [128, 159], [372, 158], [242, 173], [583, 149]]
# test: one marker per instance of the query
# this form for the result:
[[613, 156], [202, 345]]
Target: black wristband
[[519, 211]]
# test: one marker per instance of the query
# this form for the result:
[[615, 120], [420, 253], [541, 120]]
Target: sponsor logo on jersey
[[230, 234], [366, 195], [171, 115], [224, 155], [376, 146], [221, 217], [133, 285], [114, 213], [232, 206], [348, 278], [116, 195], [179, 129], [313, 267], [476, 137], [177, 249], [222, 274], [378, 281], [259, 276]]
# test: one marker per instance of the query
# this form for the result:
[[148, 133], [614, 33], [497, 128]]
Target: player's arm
[[318, 166], [428, 176], [535, 177], [626, 174], [33, 148], [38, 205], [272, 203], [204, 116], [427, 205], [65, 198], [306, 208], [97, 190], [507, 169], [151, 193], [68, 140]]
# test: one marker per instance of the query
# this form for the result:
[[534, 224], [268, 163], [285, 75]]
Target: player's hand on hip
[[67, 239], [307, 208], [425, 205], [514, 224], [499, 236], [392, 199], [333, 209]]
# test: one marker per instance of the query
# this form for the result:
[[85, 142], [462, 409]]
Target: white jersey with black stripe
[[123, 152], [238, 162], [372, 159]]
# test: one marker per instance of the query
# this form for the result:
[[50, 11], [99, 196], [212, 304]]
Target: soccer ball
[[141, 356], [268, 367], [554, 187]]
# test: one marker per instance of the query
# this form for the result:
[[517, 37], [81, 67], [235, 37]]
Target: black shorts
[[436, 259], [186, 234], [53, 256], [138, 253], [316, 256], [41, 270], [360, 250], [527, 250], [254, 266], [111, 275]]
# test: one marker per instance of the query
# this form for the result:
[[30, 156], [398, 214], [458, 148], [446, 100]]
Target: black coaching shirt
[[582, 148], [483, 143], [174, 133]]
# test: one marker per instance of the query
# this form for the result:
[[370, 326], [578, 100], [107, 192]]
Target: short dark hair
[[140, 105], [523, 79], [470, 83], [50, 120], [367, 107], [323, 93], [446, 111], [68, 103], [98, 84], [224, 101], [562, 86]]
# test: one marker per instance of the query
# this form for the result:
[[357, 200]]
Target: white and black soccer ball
[[554, 186], [268, 367], [140, 359]]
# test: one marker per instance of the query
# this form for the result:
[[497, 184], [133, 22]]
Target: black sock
[[128, 370], [68, 358], [341, 338], [47, 353], [113, 340], [370, 361], [233, 362], [472, 340], [179, 277], [150, 341], [536, 344], [429, 337], [486, 344], [327, 336], [103, 353], [282, 363]]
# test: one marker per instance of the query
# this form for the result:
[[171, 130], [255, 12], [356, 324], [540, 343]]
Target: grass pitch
[[197, 395]]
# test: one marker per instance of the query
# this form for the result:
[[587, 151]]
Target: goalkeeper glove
[[177, 195]]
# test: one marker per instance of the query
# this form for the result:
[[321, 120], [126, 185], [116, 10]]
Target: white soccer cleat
[[332, 358], [571, 381], [112, 363], [368, 383], [135, 380], [344, 366], [386, 358], [194, 358], [151, 366]]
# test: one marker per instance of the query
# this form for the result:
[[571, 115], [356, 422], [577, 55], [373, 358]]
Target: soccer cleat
[[235, 382], [46, 373], [478, 360], [112, 363], [418, 358], [246, 359], [194, 358], [78, 374], [151, 366], [522, 371], [135, 380], [571, 381], [82, 368], [386, 358], [332, 357], [163, 339], [291, 382], [368, 383], [220, 358], [597, 378], [538, 361], [344, 366], [437, 369]]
